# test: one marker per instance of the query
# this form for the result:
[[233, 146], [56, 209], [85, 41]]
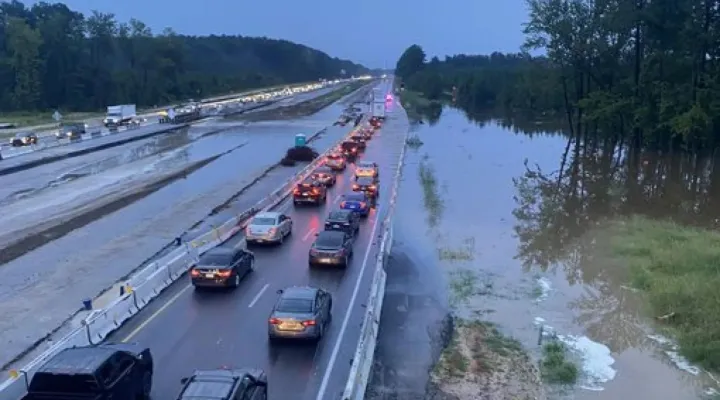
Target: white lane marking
[[155, 314], [257, 296], [351, 305], [307, 235]]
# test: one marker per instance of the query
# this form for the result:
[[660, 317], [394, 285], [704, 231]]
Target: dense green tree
[[647, 71], [53, 57], [411, 62]]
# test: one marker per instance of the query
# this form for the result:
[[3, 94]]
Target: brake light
[[315, 191], [224, 274], [274, 321], [362, 204], [194, 272], [355, 186], [354, 150], [342, 204], [372, 187], [310, 322], [296, 191]]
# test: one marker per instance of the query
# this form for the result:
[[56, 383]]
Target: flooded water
[[503, 214]]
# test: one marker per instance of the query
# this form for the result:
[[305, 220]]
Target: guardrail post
[[170, 276], [87, 331]]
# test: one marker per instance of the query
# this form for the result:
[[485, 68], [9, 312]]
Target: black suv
[[310, 191], [103, 372], [225, 384], [222, 267], [344, 221], [331, 248]]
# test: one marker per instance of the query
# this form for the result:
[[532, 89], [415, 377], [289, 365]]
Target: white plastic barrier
[[149, 282], [365, 353]]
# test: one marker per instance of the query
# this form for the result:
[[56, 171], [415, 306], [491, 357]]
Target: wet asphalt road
[[38, 282], [188, 330]]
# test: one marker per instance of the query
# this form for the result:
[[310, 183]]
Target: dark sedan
[[331, 248], [222, 267], [24, 139], [343, 220]]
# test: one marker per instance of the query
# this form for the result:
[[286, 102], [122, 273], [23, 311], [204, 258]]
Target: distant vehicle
[[375, 122], [344, 221], [378, 110], [368, 185], [24, 139], [222, 267], [350, 149], [367, 168], [331, 248], [310, 191], [336, 161], [324, 175], [360, 140], [300, 313], [388, 97], [268, 227], [119, 115], [225, 384], [101, 372], [357, 202], [72, 130]]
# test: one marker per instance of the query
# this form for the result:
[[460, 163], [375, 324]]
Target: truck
[[378, 95], [378, 110], [123, 114]]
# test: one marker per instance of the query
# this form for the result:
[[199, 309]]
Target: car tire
[[146, 386], [290, 230], [252, 264], [347, 261], [236, 282]]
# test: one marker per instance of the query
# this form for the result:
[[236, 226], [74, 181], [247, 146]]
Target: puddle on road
[[505, 216]]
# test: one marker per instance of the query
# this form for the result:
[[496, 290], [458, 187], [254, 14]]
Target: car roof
[[299, 292], [268, 214], [344, 213], [78, 359]]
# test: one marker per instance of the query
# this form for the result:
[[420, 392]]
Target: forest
[[53, 57], [646, 72]]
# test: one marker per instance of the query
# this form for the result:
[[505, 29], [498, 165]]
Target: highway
[[90, 258], [187, 330]]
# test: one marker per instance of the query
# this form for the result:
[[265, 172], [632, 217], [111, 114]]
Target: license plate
[[305, 194], [336, 226], [210, 275], [290, 326]]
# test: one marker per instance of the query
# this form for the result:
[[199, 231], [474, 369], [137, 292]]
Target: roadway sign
[[57, 116]]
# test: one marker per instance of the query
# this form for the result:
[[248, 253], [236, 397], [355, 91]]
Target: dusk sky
[[371, 32]]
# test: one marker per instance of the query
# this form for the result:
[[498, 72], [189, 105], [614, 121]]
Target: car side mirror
[[184, 380], [279, 291]]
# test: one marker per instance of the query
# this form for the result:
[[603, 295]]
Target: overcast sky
[[371, 32]]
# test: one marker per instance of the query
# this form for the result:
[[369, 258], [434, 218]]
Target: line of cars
[[124, 371]]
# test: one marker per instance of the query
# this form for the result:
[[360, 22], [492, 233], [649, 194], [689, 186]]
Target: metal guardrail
[[365, 353], [148, 283]]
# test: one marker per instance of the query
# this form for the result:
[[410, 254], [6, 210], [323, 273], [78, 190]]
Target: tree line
[[647, 71], [54, 57]]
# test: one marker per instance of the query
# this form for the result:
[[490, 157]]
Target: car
[[72, 130], [268, 227], [24, 139], [331, 248], [324, 175], [344, 221], [367, 168], [367, 133], [98, 372], [300, 313], [350, 150], [376, 123], [222, 266], [366, 184], [336, 161], [309, 191], [225, 384], [357, 202], [360, 140]]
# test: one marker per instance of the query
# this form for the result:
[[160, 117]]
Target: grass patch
[[555, 368], [416, 106], [434, 204], [465, 252], [678, 269], [453, 363], [463, 285]]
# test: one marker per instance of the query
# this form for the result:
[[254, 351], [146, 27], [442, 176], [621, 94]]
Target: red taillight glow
[[342, 204], [274, 321], [310, 322], [315, 191], [194, 272], [224, 274], [362, 204], [372, 187], [296, 191], [355, 187]]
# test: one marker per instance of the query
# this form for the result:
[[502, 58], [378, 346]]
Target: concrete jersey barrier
[[148, 283]]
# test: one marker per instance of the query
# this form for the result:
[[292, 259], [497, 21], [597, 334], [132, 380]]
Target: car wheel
[[321, 333], [347, 261], [236, 282], [290, 230]]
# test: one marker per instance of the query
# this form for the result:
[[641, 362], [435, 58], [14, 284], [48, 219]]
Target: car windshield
[[365, 181], [338, 216], [329, 240], [290, 305], [263, 221], [355, 197], [211, 258]]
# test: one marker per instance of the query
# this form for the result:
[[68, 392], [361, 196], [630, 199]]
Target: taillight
[[310, 322], [315, 191], [296, 191], [342, 204], [354, 150], [355, 187], [372, 187], [362, 204], [274, 321], [224, 274], [194, 272]]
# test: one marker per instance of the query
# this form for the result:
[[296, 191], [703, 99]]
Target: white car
[[268, 227], [367, 169]]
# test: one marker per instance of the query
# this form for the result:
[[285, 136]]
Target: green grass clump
[[678, 268], [432, 200], [555, 367]]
